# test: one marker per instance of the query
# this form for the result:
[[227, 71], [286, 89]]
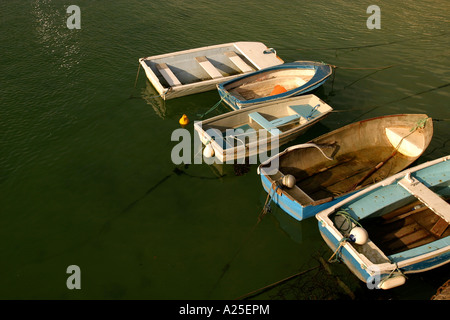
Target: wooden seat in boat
[[272, 126], [208, 67], [428, 197], [170, 77], [241, 64]]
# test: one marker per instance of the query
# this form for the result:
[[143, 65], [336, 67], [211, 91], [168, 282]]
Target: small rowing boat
[[335, 165], [245, 133], [394, 227], [197, 70], [274, 83]]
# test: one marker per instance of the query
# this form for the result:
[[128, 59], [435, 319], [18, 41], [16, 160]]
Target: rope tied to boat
[[337, 253], [299, 146], [309, 117], [350, 220], [137, 75], [354, 68], [347, 218], [211, 109], [157, 96], [395, 270], [266, 208], [420, 124]]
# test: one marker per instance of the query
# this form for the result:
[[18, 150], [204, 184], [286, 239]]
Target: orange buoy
[[277, 90], [184, 120]]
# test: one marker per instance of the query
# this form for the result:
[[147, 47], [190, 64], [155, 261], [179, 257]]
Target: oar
[[376, 168]]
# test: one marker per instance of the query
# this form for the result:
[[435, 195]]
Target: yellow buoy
[[184, 120]]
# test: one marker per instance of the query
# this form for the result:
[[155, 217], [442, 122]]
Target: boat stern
[[365, 260], [229, 99]]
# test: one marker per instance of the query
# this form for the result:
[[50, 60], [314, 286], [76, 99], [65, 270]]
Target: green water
[[86, 176]]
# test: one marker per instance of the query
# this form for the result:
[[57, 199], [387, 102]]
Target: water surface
[[86, 176]]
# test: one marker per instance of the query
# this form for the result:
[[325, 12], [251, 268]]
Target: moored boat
[[198, 70], [248, 132], [274, 83], [394, 227], [337, 164]]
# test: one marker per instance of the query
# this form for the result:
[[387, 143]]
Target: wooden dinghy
[[245, 133], [274, 83], [394, 227], [197, 70], [335, 165]]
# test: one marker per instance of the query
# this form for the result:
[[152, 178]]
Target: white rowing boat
[[197, 70], [250, 131]]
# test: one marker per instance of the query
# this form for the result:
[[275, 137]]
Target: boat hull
[[188, 72], [268, 75], [350, 147], [289, 118], [389, 202]]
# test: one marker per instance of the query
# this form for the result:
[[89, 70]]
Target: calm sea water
[[86, 177]]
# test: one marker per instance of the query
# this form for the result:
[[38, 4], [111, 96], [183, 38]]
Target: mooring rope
[[266, 207], [401, 99], [211, 109], [249, 234], [137, 75], [336, 253], [368, 45], [276, 283], [365, 68], [309, 117], [350, 221], [156, 96]]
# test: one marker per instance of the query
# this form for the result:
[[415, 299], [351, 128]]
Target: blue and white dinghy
[[394, 227], [274, 83], [248, 132], [197, 70]]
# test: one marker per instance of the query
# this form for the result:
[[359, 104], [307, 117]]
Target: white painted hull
[[186, 75], [262, 142]]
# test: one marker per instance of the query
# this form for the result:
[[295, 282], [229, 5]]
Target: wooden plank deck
[[407, 228]]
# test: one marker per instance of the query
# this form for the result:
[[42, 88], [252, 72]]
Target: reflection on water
[[83, 170], [151, 97], [59, 42]]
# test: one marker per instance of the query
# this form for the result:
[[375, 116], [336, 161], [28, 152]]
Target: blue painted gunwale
[[293, 207], [323, 72], [412, 264]]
